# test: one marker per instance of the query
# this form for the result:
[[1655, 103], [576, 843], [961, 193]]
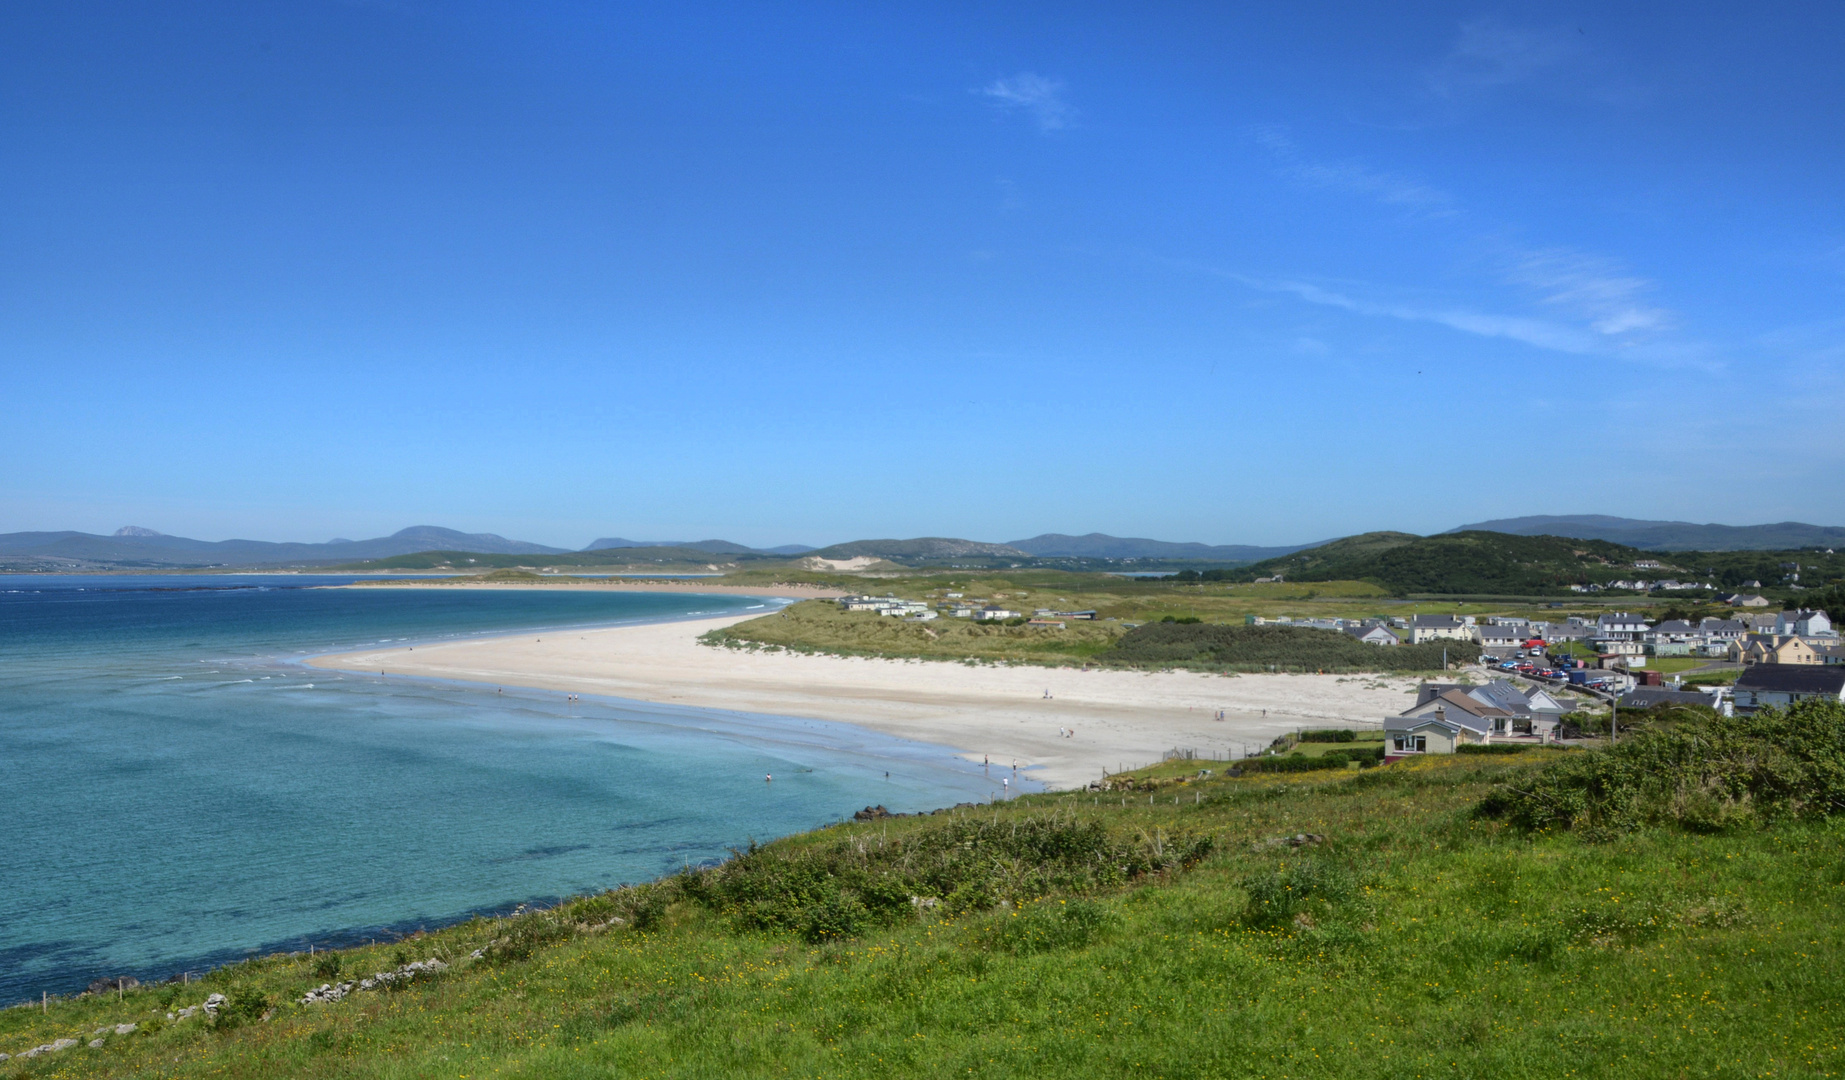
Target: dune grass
[[1418, 938], [820, 626]]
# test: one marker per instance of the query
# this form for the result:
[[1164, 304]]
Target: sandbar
[[1002, 713]]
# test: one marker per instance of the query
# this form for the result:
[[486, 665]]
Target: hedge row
[[1336, 759]]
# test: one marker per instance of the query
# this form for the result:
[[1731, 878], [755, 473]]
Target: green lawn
[[1417, 940]]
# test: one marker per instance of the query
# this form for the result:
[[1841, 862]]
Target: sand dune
[[1119, 718]]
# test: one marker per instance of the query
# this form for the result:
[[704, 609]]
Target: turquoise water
[[178, 791]]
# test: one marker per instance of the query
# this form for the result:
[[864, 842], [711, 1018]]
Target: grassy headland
[[1668, 909]]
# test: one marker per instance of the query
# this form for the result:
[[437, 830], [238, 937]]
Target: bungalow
[[996, 614], [1443, 722], [1784, 684], [1773, 649], [1501, 640], [1745, 600], [1439, 627], [1534, 711], [1646, 697], [1373, 634], [883, 605]]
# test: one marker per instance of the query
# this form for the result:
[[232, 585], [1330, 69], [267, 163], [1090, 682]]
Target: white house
[[1500, 640], [1783, 684], [1620, 626], [1373, 634], [1805, 624], [1438, 628]]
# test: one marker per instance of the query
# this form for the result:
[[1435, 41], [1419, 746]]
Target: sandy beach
[[1118, 718]]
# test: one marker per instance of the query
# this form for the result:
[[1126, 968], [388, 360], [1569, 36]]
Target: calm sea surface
[[177, 791]]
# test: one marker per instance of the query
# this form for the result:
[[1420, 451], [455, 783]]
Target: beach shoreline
[[1064, 726], [779, 591]]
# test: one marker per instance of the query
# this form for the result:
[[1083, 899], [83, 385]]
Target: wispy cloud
[[1536, 332], [1595, 289], [1352, 177], [1552, 335], [1036, 96], [1489, 55]]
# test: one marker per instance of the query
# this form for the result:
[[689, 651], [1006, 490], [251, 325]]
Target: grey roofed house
[[1677, 627], [1805, 622], [1449, 718], [1502, 635], [1722, 629], [1645, 697], [1620, 626], [1499, 694], [1763, 685], [1374, 634], [1437, 622]]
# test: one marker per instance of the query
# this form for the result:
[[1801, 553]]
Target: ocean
[[178, 791]]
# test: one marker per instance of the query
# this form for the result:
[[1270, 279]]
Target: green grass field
[[1418, 938]]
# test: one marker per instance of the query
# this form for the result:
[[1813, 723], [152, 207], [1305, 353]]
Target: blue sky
[[808, 272]]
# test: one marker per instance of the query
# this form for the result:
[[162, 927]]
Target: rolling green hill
[[1544, 914], [1458, 563]]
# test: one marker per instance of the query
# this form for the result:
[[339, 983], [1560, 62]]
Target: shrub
[[1278, 896], [1048, 927], [647, 906], [1334, 735], [526, 935], [840, 915], [1492, 748], [1702, 774], [1293, 763], [243, 1005], [836, 889], [327, 966]]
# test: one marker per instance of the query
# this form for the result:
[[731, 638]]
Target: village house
[[885, 605], [1773, 649], [1373, 634], [1439, 628], [996, 614], [1806, 624], [1620, 626], [1439, 725], [1647, 697], [1783, 684], [1500, 640], [1718, 633], [1448, 714]]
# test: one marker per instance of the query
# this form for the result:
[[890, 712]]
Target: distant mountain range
[[715, 547], [926, 548], [1103, 546], [134, 546], [1668, 535]]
